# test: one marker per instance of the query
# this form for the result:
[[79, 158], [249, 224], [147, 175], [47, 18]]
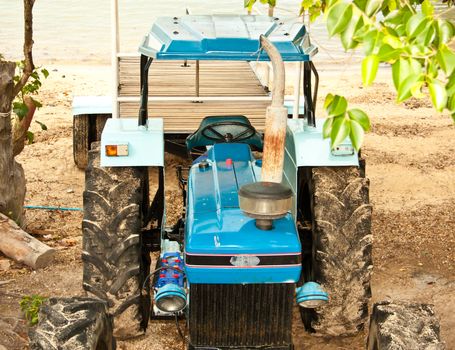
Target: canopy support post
[[143, 110], [197, 78], [114, 57]]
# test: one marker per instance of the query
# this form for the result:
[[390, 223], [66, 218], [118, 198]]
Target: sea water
[[79, 31]]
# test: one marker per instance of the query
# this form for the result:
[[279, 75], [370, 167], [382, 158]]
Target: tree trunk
[[20, 246], [12, 178]]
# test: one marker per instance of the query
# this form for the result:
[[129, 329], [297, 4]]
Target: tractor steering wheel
[[228, 131]]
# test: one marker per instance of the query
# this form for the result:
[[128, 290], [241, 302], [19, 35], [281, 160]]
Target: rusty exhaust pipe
[[276, 119], [269, 199]]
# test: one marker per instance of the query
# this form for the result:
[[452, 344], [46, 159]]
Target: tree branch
[[28, 45]]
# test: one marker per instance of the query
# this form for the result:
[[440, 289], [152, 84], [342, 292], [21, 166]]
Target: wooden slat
[[170, 78], [183, 117]]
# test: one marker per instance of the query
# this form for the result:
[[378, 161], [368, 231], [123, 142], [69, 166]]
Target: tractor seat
[[222, 129]]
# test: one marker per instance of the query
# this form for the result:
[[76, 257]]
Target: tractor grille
[[241, 316]]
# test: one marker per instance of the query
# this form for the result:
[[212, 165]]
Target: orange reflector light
[[116, 150], [111, 150]]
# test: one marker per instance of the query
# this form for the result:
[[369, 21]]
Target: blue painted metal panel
[[216, 226], [145, 144], [244, 275], [229, 231], [225, 37], [306, 146]]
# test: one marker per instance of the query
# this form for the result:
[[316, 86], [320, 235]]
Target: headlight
[[170, 298], [311, 295]]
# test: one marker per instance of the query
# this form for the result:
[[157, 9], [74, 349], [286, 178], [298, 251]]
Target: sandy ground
[[410, 162]]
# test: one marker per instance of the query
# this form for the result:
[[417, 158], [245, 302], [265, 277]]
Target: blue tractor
[[272, 217]]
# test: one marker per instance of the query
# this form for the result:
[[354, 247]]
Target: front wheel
[[403, 326], [73, 323]]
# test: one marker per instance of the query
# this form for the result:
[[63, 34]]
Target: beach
[[410, 158]]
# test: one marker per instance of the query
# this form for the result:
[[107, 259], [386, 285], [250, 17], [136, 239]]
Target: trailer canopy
[[225, 37]]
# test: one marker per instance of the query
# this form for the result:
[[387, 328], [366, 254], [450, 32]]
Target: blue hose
[[51, 208]]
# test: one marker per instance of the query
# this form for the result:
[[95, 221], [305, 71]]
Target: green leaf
[[404, 90], [360, 33], [30, 137], [387, 53], [432, 68], [428, 35], [328, 100], [340, 130], [306, 4], [371, 40], [438, 94], [395, 18], [451, 85], [360, 4], [20, 109], [372, 7], [348, 37], [331, 3], [446, 59], [360, 117], [338, 18], [445, 31], [402, 68], [392, 41], [327, 128], [451, 104], [370, 66], [416, 90], [356, 134], [45, 72], [43, 126], [248, 4], [416, 24], [338, 106], [427, 8], [392, 5]]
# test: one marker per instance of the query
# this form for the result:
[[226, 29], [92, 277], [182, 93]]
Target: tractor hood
[[222, 244]]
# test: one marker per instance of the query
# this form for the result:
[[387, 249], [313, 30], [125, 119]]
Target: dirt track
[[410, 162]]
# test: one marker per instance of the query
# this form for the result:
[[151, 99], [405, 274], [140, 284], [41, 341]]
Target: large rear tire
[[403, 326], [115, 264], [341, 260], [72, 323]]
